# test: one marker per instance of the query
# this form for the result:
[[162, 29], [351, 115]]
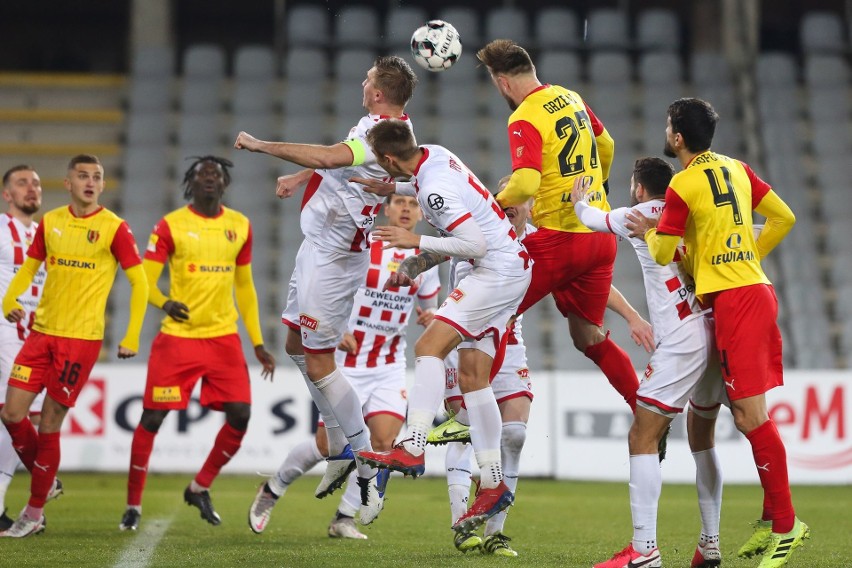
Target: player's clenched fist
[[246, 141]]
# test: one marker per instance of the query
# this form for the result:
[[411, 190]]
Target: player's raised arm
[[306, 155]]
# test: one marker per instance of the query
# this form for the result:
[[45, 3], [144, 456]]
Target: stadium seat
[[507, 22], [610, 69], [152, 61], [608, 30], [822, 71], [150, 94], [456, 99], [776, 70], [204, 60], [466, 21], [308, 26], [400, 23], [657, 29], [709, 68], [254, 63], [148, 129], [352, 64], [559, 68], [304, 99], [822, 32], [660, 68], [357, 26], [306, 64], [557, 28]]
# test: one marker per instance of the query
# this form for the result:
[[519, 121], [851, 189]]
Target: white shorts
[[10, 345], [321, 294], [512, 381], [481, 305], [684, 366]]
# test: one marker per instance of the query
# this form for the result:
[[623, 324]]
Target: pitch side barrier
[[578, 429]]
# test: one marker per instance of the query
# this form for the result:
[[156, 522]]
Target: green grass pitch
[[553, 523]]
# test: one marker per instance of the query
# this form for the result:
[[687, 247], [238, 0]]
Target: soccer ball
[[436, 46]]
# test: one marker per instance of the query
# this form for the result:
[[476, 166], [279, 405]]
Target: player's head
[[690, 125], [518, 214], [391, 81], [506, 61], [402, 211], [393, 143], [22, 189], [84, 179], [207, 177], [650, 179]]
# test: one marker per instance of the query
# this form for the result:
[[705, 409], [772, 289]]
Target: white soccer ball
[[436, 46]]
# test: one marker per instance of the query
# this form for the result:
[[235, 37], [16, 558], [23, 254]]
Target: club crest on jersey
[[649, 370], [394, 263], [519, 151], [456, 295], [435, 201], [307, 321], [92, 236], [230, 235]]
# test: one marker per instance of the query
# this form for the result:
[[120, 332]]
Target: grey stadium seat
[[507, 22], [307, 25], [822, 31], [657, 29], [357, 26], [608, 30], [153, 61], [204, 60], [560, 68], [306, 64], [254, 63], [557, 27], [400, 23]]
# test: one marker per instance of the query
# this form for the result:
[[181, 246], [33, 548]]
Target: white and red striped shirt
[[379, 318], [338, 215], [15, 239]]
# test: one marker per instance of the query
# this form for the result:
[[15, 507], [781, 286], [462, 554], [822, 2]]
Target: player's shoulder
[[651, 208], [229, 214]]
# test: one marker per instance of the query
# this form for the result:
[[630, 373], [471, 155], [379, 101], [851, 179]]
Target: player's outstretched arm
[[306, 155], [640, 330], [12, 310], [129, 346]]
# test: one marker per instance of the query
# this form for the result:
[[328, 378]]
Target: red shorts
[[576, 268], [748, 340], [176, 364], [59, 364]]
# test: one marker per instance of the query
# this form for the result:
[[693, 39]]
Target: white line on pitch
[[137, 553]]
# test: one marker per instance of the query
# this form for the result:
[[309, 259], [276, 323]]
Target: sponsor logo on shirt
[[456, 295], [307, 321], [209, 268], [72, 262], [166, 394], [21, 373], [523, 374], [435, 201]]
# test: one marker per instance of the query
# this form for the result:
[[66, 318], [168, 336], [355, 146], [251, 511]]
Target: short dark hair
[[190, 172], [395, 79], [654, 174], [695, 120], [14, 169], [505, 56], [83, 159], [392, 137]]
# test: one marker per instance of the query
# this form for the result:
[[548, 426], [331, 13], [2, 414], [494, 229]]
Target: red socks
[[770, 457], [140, 454], [44, 468], [24, 440], [616, 365], [227, 445]]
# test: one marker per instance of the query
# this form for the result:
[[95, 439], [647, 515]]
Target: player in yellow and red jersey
[[709, 204], [81, 246], [554, 137], [208, 248]]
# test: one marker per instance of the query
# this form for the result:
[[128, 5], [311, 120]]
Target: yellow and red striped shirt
[[203, 253], [80, 255]]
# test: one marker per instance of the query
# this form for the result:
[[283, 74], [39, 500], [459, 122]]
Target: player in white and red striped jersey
[[474, 316], [22, 193], [372, 357], [684, 367], [336, 219]]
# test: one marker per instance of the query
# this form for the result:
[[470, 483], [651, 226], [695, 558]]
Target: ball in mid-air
[[436, 45]]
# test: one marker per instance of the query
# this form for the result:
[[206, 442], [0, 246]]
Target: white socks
[[8, 464], [485, 433], [646, 484], [708, 481], [423, 400], [459, 469], [350, 503], [336, 439], [512, 442], [300, 460]]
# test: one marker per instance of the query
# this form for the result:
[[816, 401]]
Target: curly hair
[[187, 176]]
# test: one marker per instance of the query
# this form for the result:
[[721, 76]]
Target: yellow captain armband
[[359, 153]]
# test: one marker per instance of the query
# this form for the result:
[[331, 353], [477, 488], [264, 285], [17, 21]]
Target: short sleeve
[[675, 213], [525, 143], [244, 256], [160, 244], [597, 125], [124, 248], [759, 188], [37, 249]]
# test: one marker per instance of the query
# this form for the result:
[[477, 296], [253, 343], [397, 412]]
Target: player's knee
[[10, 416], [238, 416], [513, 436], [152, 419]]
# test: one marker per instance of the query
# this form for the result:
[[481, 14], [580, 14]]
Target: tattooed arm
[[412, 267]]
